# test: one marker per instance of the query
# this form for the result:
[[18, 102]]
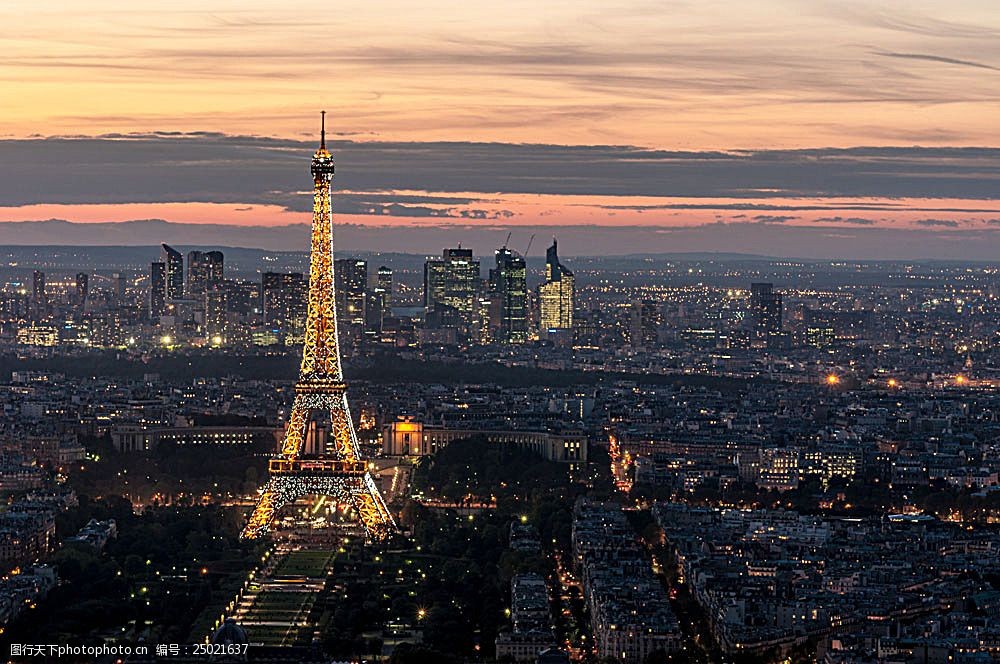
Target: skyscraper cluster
[[200, 302], [351, 291], [283, 298], [362, 312], [451, 291], [460, 305]]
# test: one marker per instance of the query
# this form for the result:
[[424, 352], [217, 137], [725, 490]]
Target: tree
[[407, 653], [658, 656]]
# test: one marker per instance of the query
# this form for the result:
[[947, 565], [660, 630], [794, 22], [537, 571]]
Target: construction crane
[[529, 245]]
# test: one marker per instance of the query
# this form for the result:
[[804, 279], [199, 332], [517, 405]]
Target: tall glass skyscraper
[[157, 288], [383, 286], [351, 279], [765, 313], [451, 289], [204, 272], [508, 282], [39, 296], [82, 289], [283, 299], [557, 295], [173, 262]]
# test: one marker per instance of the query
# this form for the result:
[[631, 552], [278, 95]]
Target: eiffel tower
[[339, 471]]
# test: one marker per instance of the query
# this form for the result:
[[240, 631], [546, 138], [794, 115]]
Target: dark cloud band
[[251, 170]]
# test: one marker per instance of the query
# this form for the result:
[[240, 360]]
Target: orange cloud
[[681, 75]]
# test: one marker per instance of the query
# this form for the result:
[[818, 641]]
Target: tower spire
[[322, 130]]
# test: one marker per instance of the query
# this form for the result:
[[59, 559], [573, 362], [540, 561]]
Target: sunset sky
[[641, 114]]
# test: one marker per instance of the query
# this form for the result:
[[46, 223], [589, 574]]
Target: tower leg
[[342, 430], [260, 520], [295, 436], [372, 510]]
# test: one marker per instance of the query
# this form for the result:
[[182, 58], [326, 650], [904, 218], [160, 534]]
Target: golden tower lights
[[338, 471]]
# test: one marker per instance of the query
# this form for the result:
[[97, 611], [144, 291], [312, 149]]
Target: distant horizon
[[537, 252]]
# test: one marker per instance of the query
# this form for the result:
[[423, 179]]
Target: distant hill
[[738, 241]]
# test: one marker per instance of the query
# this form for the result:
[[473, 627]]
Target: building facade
[[283, 298], [451, 289], [765, 313], [409, 437], [557, 296], [157, 289], [351, 277], [173, 262], [205, 272], [509, 290]]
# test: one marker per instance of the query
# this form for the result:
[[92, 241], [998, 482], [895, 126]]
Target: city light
[[649, 456]]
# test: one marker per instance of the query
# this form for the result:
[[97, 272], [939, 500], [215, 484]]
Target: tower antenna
[[322, 130]]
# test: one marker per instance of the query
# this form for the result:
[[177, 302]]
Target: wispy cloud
[[857, 221], [936, 58], [938, 223], [748, 74], [910, 21]]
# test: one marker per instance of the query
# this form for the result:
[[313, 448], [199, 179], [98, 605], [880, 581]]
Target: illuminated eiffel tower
[[339, 471]]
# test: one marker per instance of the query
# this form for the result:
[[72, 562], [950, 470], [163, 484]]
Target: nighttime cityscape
[[419, 380]]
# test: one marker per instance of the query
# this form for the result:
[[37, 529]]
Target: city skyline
[[691, 462], [670, 332]]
